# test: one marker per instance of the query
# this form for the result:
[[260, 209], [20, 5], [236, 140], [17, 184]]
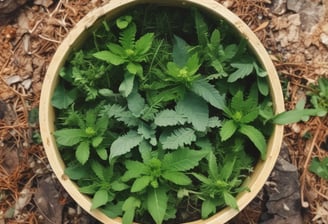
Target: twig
[[305, 204]]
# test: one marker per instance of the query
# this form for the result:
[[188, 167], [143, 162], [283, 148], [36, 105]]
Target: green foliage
[[153, 115], [320, 168]]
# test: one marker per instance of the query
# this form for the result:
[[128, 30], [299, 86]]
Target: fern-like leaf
[[209, 93], [169, 118], [179, 138], [196, 110], [124, 144], [127, 37]]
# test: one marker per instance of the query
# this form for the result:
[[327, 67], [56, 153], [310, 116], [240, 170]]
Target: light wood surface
[[76, 37]]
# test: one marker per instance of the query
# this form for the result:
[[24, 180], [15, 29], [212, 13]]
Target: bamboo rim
[[76, 37]]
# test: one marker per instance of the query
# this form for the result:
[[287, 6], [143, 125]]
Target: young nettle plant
[[162, 127]]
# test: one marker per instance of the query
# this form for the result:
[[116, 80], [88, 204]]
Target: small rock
[[279, 7], [324, 39], [13, 79], [295, 5], [27, 84]]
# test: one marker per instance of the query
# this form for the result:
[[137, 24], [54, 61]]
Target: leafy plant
[[152, 124], [320, 168]]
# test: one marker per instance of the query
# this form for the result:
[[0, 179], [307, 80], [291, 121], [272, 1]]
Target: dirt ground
[[295, 33]]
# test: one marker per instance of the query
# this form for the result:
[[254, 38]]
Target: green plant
[[320, 168], [153, 124]]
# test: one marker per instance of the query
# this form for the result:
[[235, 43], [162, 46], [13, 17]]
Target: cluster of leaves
[[152, 124]]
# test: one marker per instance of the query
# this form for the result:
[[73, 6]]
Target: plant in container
[[164, 116]]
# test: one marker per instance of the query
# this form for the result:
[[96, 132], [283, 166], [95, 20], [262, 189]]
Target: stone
[[295, 5]]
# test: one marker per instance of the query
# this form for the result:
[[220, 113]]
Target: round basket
[[75, 39]]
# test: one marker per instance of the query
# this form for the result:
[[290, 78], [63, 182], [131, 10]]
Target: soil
[[294, 32]]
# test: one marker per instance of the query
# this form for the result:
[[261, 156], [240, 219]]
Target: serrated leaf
[[244, 68], [112, 110], [193, 64], [82, 152], [208, 92], [99, 199], [140, 183], [183, 159], [156, 203], [129, 206], [147, 133], [179, 138], [169, 118], [134, 169], [214, 122], [176, 177], [195, 109], [256, 137], [127, 37], [145, 150], [124, 144], [228, 128], [109, 57], [127, 84], [69, 137]]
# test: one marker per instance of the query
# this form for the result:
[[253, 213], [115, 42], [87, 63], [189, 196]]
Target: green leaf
[[156, 203], [96, 141], [127, 84], [140, 183], [145, 151], [230, 200], [135, 68], [180, 137], [134, 169], [320, 168], [69, 137], [169, 118], [262, 84], [63, 98], [201, 28], [109, 57], [123, 21], [129, 206], [256, 137], [98, 169], [208, 208], [147, 133], [183, 159], [102, 153], [209, 93], [176, 177], [180, 51], [136, 103], [195, 109], [77, 172], [228, 128], [82, 152], [119, 186], [202, 178], [193, 64], [293, 116], [99, 199], [244, 68], [127, 37], [144, 43], [228, 167], [124, 144], [213, 166]]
